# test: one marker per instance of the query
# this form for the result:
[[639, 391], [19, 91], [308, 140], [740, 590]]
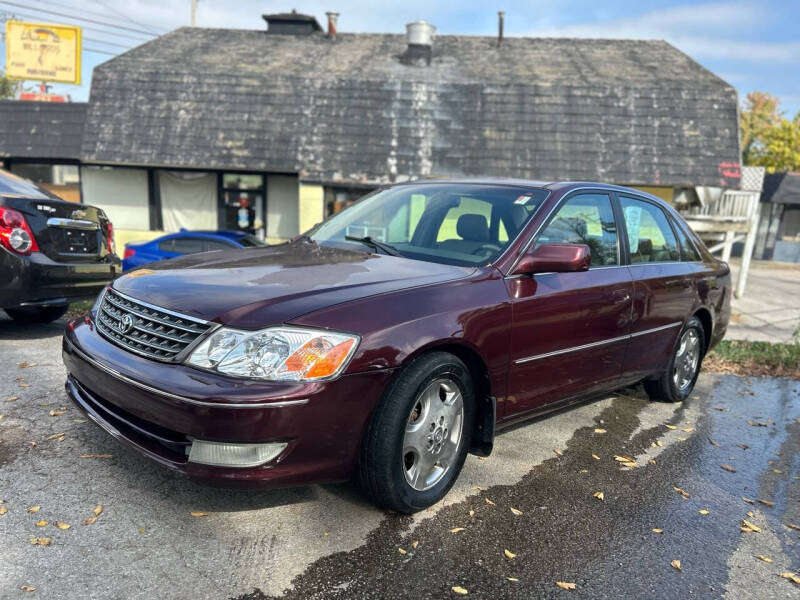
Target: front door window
[[243, 203]]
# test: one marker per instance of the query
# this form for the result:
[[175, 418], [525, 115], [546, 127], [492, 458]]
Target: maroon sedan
[[399, 335]]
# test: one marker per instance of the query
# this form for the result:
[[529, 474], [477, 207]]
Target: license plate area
[[75, 241]]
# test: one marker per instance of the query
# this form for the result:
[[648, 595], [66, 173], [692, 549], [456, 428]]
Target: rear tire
[[677, 381], [418, 435], [39, 314]]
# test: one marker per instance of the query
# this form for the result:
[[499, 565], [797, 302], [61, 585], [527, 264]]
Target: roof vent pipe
[[500, 15], [420, 33], [333, 17]]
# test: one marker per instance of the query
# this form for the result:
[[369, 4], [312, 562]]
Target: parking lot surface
[[580, 516]]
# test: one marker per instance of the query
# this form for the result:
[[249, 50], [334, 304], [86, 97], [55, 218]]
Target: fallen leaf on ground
[[703, 511], [56, 413], [683, 493], [791, 577], [778, 471], [516, 511], [95, 456], [198, 513], [623, 458], [599, 495], [414, 544], [594, 456], [792, 526], [90, 521], [630, 464], [670, 426], [25, 385], [565, 585], [26, 365], [512, 578], [509, 554], [751, 514], [743, 446], [676, 564], [657, 530], [58, 436], [489, 502], [63, 526], [766, 502], [766, 559], [401, 551], [747, 526], [98, 510], [559, 452], [728, 468], [41, 523], [43, 541], [599, 430], [456, 529], [12, 399], [34, 509], [712, 442], [748, 500], [689, 429], [472, 513], [3, 510], [459, 590], [27, 588]]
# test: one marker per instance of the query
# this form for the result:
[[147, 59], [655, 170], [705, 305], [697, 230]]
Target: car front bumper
[[37, 280], [159, 409]]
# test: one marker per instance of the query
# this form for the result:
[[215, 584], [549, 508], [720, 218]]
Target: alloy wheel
[[433, 433], [687, 359]]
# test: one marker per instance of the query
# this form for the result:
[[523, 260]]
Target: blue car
[[184, 242]]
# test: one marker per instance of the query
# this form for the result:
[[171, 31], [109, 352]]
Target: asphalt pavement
[[729, 447]]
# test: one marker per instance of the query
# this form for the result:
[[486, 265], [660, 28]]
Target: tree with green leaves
[[768, 138], [7, 87]]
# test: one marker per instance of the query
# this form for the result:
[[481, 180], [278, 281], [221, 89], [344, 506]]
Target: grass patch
[[78, 309], [755, 358]]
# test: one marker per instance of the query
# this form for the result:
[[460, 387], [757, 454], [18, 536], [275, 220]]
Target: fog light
[[222, 454]]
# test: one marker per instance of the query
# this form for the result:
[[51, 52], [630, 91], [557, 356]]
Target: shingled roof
[[41, 129], [346, 109]]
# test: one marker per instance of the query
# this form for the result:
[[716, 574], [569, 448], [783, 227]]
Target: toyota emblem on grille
[[125, 324]]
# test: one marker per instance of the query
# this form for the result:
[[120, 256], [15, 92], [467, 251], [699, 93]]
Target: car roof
[[531, 183]]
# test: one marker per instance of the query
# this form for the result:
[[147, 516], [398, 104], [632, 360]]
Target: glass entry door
[[243, 203]]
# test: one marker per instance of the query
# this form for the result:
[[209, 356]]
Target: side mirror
[[554, 258]]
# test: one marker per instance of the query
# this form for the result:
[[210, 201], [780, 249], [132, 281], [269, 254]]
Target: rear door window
[[188, 245], [217, 245], [650, 236], [585, 219]]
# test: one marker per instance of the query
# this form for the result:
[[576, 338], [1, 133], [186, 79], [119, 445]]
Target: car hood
[[256, 287]]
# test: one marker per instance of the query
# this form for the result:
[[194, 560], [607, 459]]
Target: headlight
[[97, 303], [276, 353]]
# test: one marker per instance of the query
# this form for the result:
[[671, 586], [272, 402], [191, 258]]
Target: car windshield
[[457, 224]]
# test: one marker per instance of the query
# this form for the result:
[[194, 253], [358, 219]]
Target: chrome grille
[[147, 330]]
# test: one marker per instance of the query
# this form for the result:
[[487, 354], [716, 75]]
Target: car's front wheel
[[39, 314], [677, 382], [419, 434]]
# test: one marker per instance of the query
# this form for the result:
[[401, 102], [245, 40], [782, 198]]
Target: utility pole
[[194, 13]]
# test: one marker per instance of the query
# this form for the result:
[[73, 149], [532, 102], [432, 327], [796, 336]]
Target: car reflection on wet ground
[[732, 449]]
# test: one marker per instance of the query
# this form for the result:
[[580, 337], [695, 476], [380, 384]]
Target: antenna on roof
[[500, 16]]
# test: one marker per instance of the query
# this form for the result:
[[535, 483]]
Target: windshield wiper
[[369, 241]]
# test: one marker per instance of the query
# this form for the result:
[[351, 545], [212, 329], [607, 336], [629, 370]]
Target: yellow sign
[[43, 52]]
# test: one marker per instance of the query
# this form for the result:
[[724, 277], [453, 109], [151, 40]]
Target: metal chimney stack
[[333, 18], [500, 16]]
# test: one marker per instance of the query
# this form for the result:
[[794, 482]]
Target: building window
[[338, 198], [188, 200], [121, 192], [63, 180], [243, 205]]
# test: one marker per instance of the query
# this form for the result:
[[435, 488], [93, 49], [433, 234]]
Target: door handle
[[621, 297]]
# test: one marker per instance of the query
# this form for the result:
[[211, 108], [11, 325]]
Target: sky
[[752, 45]]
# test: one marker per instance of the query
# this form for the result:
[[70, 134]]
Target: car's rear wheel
[[419, 434], [38, 314], [677, 382]]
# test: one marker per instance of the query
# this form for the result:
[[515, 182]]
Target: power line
[[159, 30], [100, 51], [88, 39], [74, 18], [138, 39]]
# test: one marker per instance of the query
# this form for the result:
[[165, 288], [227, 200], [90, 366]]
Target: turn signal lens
[[276, 353]]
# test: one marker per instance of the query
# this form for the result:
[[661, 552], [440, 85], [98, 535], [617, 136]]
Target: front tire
[[419, 435], [39, 314], [677, 382]]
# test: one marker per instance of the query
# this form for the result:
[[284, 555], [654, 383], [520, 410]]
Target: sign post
[[43, 52]]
